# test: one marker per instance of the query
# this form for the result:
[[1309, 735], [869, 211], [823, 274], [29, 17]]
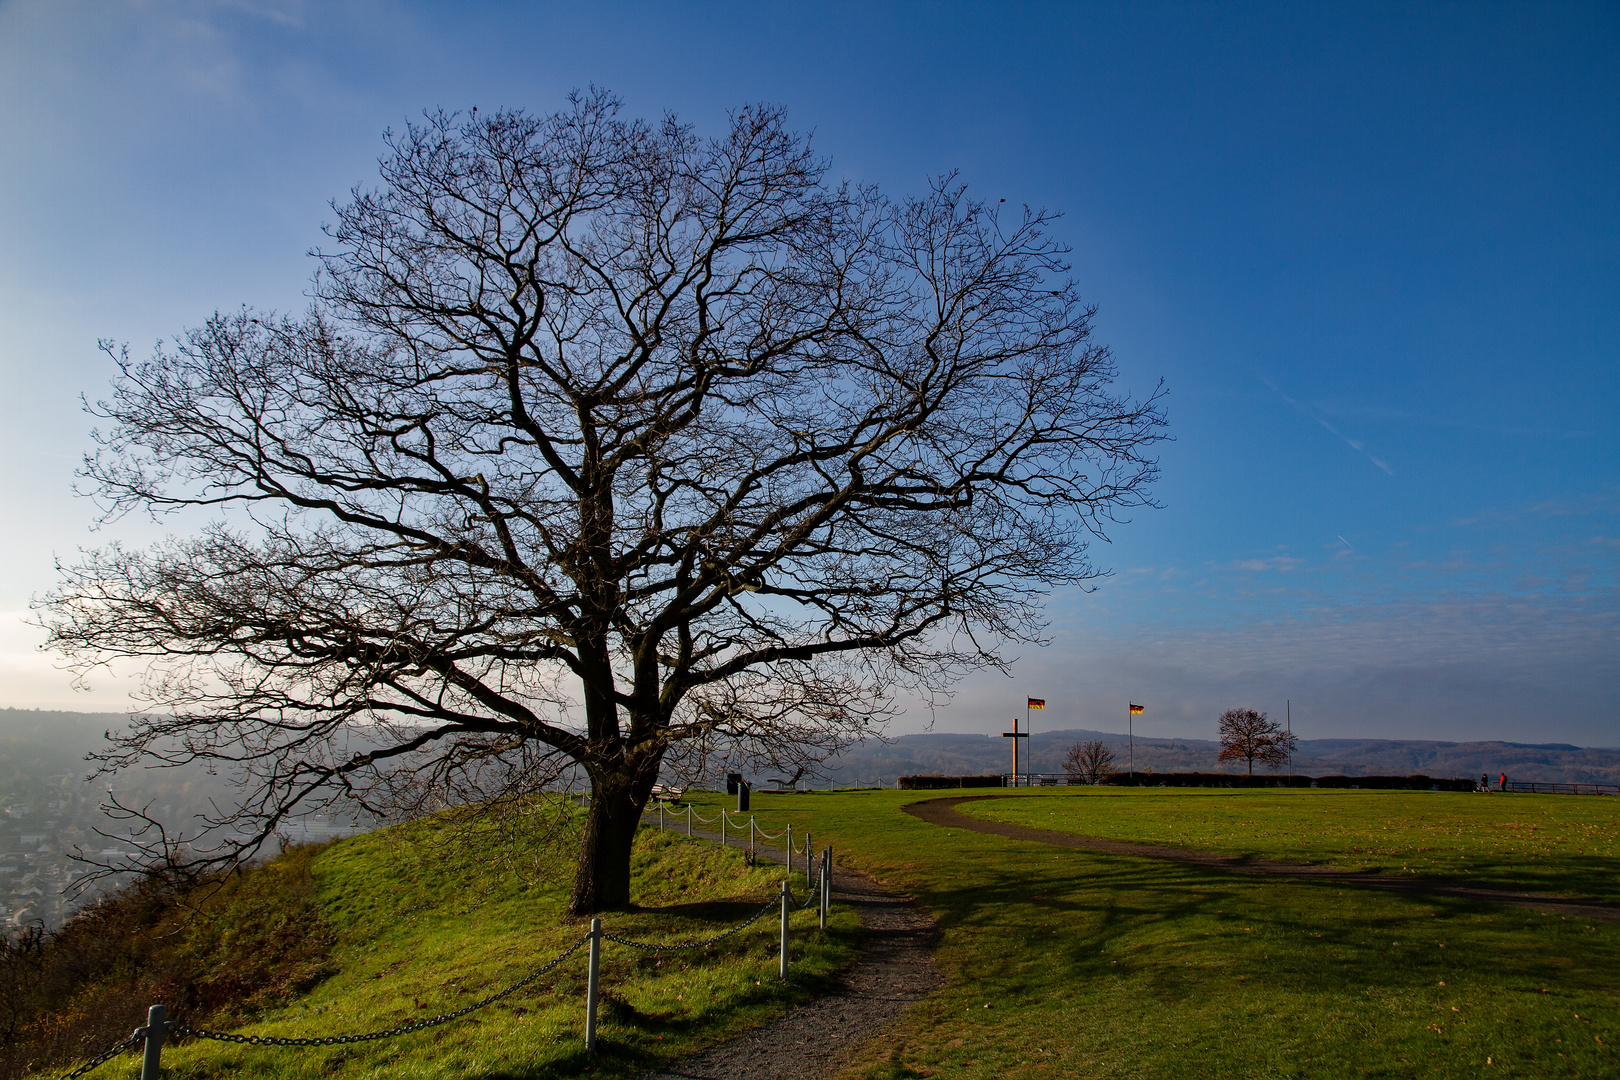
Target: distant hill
[[906, 755], [35, 744]]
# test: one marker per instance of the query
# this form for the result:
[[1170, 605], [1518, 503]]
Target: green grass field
[[421, 928], [1055, 962], [1071, 963], [1537, 843]]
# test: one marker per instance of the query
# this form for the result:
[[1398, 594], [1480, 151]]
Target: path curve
[[895, 970], [944, 812]]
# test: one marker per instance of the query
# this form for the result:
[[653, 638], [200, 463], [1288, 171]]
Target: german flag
[[1136, 710], [1037, 703]]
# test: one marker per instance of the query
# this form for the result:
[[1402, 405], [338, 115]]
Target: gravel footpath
[[943, 812], [817, 1038]]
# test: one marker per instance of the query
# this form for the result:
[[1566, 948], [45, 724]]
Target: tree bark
[[602, 876]]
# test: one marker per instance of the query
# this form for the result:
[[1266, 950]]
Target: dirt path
[[815, 1039], [943, 812]]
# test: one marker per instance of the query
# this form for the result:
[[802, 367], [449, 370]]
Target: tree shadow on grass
[[1192, 930], [716, 911]]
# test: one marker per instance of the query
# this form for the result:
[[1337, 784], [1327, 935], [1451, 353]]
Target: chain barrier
[[107, 1055], [653, 946], [399, 1029]]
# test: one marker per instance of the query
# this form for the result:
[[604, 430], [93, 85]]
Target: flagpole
[[1028, 727], [1289, 705]]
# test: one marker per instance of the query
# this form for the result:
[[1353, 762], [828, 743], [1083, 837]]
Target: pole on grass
[[689, 820], [591, 981], [826, 880], [786, 897], [790, 849], [829, 877], [152, 1059]]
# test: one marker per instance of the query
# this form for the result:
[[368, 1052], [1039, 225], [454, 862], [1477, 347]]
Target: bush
[[216, 951]]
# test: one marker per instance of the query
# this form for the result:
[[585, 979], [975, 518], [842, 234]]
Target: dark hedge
[[1241, 780], [925, 783]]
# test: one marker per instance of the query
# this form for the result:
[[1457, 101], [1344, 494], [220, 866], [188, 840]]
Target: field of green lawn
[[1536, 843], [1069, 963]]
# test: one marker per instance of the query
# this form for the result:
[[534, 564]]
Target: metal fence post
[[660, 815], [786, 897], [689, 820], [790, 849], [591, 981], [821, 891], [722, 826], [809, 863], [829, 877], [152, 1061]]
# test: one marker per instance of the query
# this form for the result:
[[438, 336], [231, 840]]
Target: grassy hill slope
[[417, 920]]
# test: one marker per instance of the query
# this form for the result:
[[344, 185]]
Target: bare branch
[[609, 444]]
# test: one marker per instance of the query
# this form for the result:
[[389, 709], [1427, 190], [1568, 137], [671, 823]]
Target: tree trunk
[[602, 876]]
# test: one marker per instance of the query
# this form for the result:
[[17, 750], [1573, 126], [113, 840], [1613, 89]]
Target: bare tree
[[1248, 736], [1089, 761], [602, 444]]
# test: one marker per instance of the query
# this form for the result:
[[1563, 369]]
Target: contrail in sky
[[1354, 444]]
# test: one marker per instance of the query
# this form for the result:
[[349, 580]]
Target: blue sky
[[1373, 251]]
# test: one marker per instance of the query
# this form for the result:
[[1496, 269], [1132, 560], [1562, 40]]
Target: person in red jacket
[[1504, 782]]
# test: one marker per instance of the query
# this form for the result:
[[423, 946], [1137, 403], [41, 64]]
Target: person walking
[[1504, 782], [1484, 781]]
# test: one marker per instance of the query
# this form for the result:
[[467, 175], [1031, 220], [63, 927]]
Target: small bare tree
[[1248, 736], [1089, 762], [603, 445]]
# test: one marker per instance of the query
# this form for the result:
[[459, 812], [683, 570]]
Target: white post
[[592, 978], [151, 1061], [786, 896], [722, 826], [790, 849], [660, 815], [689, 820]]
